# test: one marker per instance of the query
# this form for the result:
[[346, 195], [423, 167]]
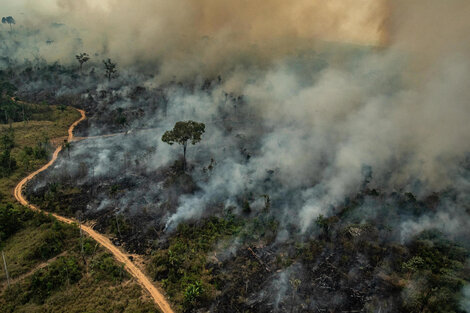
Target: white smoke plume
[[332, 87], [186, 37]]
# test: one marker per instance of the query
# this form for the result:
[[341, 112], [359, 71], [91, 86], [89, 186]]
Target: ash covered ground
[[333, 172]]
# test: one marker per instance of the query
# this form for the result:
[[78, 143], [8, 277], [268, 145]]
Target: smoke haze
[[188, 37], [324, 110], [308, 102]]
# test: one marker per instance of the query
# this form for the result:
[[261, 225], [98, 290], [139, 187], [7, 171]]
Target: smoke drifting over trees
[[203, 35], [308, 102]]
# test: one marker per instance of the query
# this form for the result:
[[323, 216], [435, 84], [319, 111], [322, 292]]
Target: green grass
[[35, 238], [48, 272], [29, 134], [18, 250], [68, 284], [89, 296]]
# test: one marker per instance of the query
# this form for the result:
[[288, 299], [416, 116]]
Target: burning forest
[[302, 156]]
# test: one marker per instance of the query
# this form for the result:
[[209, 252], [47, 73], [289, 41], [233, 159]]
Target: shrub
[[65, 270], [192, 294], [105, 268], [10, 221]]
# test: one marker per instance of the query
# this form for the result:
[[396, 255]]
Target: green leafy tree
[[192, 295], [105, 268], [63, 271], [110, 68], [184, 132], [436, 268]]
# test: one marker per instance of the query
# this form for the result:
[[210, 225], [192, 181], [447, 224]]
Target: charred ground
[[243, 248], [242, 258]]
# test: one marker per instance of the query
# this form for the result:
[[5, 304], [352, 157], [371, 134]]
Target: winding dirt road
[[104, 241]]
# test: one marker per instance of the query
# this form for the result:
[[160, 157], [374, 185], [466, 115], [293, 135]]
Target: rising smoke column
[[401, 109]]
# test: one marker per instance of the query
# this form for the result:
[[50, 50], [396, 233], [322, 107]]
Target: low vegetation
[[51, 268], [46, 263], [347, 260], [182, 266], [25, 146]]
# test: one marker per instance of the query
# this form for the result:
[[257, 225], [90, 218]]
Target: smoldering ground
[[309, 159], [309, 123], [195, 36]]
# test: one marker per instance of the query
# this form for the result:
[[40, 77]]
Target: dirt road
[[104, 241]]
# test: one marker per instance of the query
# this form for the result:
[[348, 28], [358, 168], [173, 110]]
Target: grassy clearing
[[18, 251], [49, 272], [90, 296], [68, 284], [54, 123], [64, 273]]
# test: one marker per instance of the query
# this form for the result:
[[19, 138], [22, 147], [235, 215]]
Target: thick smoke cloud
[[401, 110], [318, 119], [317, 100], [188, 37]]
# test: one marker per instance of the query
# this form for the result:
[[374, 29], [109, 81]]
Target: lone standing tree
[[111, 68], [82, 58], [184, 132], [9, 20]]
